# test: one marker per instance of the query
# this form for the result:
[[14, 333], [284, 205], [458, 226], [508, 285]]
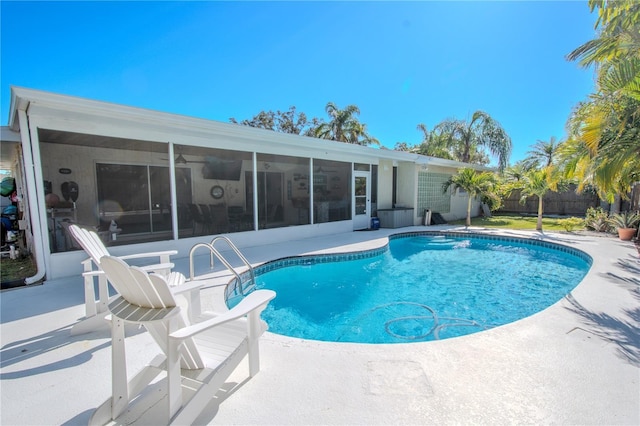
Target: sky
[[400, 63]]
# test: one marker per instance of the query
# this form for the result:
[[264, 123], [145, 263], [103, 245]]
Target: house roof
[[190, 130]]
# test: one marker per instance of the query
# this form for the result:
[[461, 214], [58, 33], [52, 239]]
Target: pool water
[[422, 288]]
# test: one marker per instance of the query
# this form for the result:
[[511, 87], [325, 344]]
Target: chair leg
[[119, 385], [174, 379], [254, 331], [103, 292], [203, 395], [89, 297]]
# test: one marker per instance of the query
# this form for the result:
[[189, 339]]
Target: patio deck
[[577, 362]]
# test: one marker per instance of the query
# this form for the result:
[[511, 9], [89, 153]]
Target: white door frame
[[361, 221]]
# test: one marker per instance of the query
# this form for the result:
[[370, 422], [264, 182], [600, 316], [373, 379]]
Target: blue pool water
[[424, 287]]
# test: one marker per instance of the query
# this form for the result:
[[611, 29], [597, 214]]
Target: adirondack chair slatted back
[[150, 291], [90, 242], [136, 286]]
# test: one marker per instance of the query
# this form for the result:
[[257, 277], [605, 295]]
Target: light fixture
[[180, 159]]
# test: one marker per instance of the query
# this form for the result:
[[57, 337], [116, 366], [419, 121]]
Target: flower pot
[[626, 234]]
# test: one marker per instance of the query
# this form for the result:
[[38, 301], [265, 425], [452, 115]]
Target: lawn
[[16, 269], [521, 222]]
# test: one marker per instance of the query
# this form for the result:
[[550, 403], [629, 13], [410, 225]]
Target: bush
[[597, 219], [624, 220], [571, 224]]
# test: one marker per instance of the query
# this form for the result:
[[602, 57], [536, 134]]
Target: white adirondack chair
[[197, 356], [96, 308]]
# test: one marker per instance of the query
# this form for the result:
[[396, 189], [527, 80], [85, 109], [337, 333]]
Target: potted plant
[[625, 223]]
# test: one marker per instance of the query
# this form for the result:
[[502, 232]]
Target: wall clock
[[217, 192]]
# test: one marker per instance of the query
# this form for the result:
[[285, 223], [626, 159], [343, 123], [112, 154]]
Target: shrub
[[571, 224], [624, 220], [597, 219]]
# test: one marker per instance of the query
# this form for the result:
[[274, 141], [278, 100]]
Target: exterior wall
[[459, 207], [406, 186], [385, 184], [102, 123]]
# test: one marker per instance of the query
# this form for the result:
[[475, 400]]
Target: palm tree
[[482, 131], [434, 144], [605, 131], [604, 145], [536, 183], [358, 135], [616, 51], [474, 183], [344, 126], [543, 153]]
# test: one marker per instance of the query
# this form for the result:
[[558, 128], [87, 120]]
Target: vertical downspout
[[32, 195]]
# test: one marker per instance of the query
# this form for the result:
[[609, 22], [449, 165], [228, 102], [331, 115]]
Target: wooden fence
[[556, 203]]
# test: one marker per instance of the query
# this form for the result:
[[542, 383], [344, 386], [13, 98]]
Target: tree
[[403, 146], [604, 145], [543, 154], [344, 126], [536, 183], [476, 184], [434, 144], [289, 121], [604, 149], [466, 139], [615, 53]]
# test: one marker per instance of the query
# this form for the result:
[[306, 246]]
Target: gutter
[[32, 195]]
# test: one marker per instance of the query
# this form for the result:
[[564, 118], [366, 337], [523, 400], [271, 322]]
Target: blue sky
[[401, 63]]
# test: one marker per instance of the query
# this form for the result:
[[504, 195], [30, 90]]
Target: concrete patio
[[576, 362]]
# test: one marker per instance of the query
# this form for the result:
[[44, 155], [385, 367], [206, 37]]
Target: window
[[283, 191], [331, 191], [218, 202]]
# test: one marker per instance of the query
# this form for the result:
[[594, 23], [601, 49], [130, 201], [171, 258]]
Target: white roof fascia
[[442, 162], [176, 128], [8, 135], [185, 127]]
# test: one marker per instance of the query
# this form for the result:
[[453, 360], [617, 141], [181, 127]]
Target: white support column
[[172, 188]]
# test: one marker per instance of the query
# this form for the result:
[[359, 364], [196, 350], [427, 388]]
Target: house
[[150, 180]]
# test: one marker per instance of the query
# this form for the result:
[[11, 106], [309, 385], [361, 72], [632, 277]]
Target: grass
[[16, 269], [518, 222]]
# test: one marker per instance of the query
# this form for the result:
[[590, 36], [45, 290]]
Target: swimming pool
[[420, 287]]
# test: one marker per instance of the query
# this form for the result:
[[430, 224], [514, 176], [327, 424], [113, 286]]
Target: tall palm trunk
[[539, 223], [469, 211]]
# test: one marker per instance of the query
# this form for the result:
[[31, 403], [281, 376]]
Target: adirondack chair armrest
[[156, 267], [95, 273], [187, 287], [254, 301], [150, 254]]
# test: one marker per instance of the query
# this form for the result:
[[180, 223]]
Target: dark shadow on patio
[[623, 333], [36, 346]]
